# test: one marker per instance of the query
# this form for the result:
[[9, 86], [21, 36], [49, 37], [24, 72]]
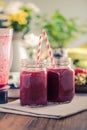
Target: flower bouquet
[[81, 80], [17, 15], [20, 20]]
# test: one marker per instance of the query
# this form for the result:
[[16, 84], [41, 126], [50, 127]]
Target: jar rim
[[61, 61], [6, 31], [32, 63], [26, 60]]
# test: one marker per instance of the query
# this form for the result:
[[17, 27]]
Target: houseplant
[[59, 29]]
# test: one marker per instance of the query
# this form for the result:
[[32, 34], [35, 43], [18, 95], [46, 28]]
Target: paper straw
[[39, 47], [50, 53]]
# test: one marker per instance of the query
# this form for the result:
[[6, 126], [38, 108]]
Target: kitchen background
[[68, 9]]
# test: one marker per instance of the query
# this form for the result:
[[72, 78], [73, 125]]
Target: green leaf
[[59, 29]]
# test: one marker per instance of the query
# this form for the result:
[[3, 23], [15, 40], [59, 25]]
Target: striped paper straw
[[50, 53], [39, 47]]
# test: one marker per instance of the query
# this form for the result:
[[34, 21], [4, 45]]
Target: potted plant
[[60, 30]]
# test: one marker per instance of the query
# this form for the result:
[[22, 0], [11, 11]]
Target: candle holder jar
[[60, 81], [33, 83]]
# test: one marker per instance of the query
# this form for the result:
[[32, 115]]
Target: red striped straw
[[39, 47], [50, 53]]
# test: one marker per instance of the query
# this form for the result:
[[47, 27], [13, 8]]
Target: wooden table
[[19, 122]]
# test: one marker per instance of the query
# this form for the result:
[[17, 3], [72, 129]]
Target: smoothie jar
[[33, 83], [60, 81], [5, 49]]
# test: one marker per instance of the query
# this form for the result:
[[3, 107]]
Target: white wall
[[70, 8]]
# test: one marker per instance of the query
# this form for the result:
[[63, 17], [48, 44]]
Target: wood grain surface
[[19, 122]]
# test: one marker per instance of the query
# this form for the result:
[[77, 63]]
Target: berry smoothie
[[5, 47], [60, 85], [33, 87]]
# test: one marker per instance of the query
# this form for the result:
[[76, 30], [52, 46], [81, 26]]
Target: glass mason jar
[[60, 81], [33, 83], [5, 62]]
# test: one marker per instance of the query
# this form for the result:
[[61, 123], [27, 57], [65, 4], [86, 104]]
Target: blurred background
[[64, 21]]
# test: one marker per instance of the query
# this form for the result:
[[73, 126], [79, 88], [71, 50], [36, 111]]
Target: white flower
[[31, 39], [12, 7], [33, 7]]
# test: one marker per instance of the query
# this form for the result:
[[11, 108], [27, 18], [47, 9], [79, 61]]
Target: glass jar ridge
[[27, 64], [33, 83], [60, 81], [60, 62]]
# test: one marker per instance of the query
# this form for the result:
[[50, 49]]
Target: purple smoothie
[[33, 87], [60, 84]]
